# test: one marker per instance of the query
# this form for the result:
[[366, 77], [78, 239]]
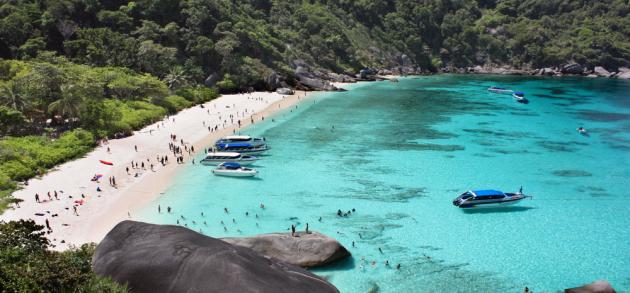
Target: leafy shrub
[[173, 103], [26, 264]]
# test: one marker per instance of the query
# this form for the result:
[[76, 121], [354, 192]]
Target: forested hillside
[[259, 43], [79, 70]]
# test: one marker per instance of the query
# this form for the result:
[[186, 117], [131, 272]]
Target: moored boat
[[243, 148], [255, 141], [500, 90], [217, 158], [234, 170], [519, 97], [487, 198]]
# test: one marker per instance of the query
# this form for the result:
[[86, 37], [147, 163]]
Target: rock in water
[[165, 258], [305, 250], [600, 286]]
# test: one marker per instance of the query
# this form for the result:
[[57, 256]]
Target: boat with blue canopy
[[487, 198], [232, 169], [255, 141], [242, 148], [519, 97]]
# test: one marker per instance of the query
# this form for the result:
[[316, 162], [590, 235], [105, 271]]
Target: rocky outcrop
[[309, 78], [600, 286], [304, 250], [624, 73], [273, 81], [547, 71], [573, 68], [164, 258], [601, 71], [211, 80], [285, 91]]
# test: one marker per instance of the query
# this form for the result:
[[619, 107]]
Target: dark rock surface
[[305, 250], [572, 69], [600, 286], [211, 80], [164, 258]]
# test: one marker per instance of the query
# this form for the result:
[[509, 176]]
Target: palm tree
[[176, 77], [10, 97], [70, 104]]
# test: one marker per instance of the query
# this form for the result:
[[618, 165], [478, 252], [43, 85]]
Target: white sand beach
[[98, 212]]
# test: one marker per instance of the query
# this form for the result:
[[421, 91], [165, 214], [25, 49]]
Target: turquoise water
[[400, 152]]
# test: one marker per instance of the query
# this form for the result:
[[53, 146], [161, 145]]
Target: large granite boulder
[[624, 73], [305, 250], [273, 81], [572, 69], [285, 91], [600, 286], [165, 258], [601, 71]]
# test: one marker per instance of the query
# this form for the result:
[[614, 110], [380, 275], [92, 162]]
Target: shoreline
[[98, 212]]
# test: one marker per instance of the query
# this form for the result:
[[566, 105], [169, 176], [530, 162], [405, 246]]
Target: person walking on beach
[[293, 230], [159, 209], [48, 225], [307, 229], [135, 147], [49, 197], [55, 194], [37, 197], [127, 169], [76, 213], [168, 209]]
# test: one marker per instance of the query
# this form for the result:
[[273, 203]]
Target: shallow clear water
[[400, 152]]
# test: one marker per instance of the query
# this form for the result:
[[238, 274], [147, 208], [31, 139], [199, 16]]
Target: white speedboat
[[520, 97], [234, 170], [487, 199], [500, 90], [254, 141], [242, 148], [217, 158]]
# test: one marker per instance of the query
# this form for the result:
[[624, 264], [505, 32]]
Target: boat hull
[[231, 173], [218, 162], [491, 204], [246, 152]]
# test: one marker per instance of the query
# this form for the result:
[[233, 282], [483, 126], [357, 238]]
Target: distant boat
[[234, 170], [500, 90], [217, 158], [582, 131], [520, 97], [487, 198], [255, 141]]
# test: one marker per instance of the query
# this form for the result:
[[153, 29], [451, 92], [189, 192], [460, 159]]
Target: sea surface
[[399, 153]]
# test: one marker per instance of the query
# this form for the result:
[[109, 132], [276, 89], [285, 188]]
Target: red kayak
[[106, 162]]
